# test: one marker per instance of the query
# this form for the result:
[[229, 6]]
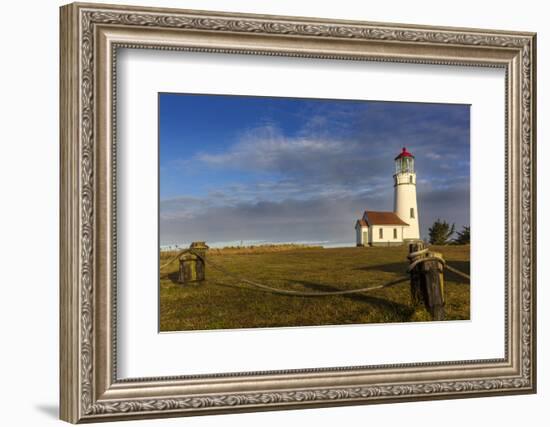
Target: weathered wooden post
[[192, 268], [416, 276], [427, 281]]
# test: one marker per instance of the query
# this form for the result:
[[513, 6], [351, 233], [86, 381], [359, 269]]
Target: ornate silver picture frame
[[91, 34]]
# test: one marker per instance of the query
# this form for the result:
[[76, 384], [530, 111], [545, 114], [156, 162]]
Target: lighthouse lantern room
[[404, 162]]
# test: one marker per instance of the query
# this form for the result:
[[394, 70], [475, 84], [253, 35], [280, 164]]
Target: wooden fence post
[[427, 283], [416, 277], [192, 268]]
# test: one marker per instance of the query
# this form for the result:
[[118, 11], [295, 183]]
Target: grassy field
[[223, 303]]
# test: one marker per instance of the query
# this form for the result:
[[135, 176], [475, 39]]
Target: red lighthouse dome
[[404, 153]]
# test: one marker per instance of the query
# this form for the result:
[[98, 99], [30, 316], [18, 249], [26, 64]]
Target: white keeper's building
[[378, 228]]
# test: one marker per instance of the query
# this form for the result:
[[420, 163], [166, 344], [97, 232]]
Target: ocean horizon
[[247, 243]]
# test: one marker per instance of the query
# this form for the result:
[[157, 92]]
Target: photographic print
[[280, 212]]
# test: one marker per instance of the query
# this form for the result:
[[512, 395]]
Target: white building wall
[[360, 232], [404, 201], [388, 236]]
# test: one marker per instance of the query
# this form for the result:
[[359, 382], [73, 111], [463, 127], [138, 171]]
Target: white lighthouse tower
[[404, 202]]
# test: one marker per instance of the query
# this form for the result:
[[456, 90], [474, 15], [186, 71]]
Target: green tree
[[463, 237], [440, 232]]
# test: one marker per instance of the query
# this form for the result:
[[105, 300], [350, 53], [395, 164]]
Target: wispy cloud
[[307, 158]]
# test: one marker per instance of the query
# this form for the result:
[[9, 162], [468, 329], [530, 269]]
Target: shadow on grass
[[463, 266], [400, 268], [173, 277], [382, 304]]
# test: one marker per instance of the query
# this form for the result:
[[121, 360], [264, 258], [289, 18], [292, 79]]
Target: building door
[[365, 237]]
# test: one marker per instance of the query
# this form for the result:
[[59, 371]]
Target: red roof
[[404, 153], [362, 222], [382, 218]]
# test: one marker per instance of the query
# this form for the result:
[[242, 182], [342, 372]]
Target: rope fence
[[304, 293], [415, 258]]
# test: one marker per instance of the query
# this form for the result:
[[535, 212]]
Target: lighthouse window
[[411, 179], [412, 212], [395, 233], [381, 233]]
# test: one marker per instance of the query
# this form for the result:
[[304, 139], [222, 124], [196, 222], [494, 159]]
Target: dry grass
[[223, 303]]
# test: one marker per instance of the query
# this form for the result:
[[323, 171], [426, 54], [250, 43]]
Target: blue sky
[[283, 169]]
